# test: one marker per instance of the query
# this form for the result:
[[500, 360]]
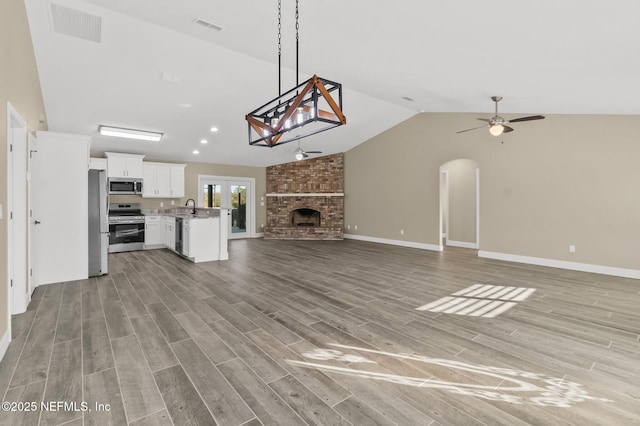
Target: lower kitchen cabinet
[[203, 238], [170, 232], [153, 232]]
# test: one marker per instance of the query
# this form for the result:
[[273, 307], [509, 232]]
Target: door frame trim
[[16, 243]]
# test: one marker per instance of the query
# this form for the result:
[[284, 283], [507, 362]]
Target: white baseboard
[[462, 244], [4, 342], [410, 244], [562, 264], [258, 235]]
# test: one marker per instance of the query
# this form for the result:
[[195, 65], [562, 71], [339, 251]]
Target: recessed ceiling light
[[214, 129], [130, 133], [203, 141], [185, 105], [195, 151]]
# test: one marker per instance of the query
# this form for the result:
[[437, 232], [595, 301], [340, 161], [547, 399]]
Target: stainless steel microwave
[[125, 186]]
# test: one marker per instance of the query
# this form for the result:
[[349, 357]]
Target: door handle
[[36, 222]]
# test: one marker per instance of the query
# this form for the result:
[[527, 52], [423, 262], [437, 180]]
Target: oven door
[[126, 237]]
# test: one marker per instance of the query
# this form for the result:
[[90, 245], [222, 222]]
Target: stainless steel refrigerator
[[98, 223]]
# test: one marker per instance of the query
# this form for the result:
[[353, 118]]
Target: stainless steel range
[[126, 227]]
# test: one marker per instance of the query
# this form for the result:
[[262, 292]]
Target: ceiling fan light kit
[[309, 107], [497, 125], [301, 154], [496, 129]]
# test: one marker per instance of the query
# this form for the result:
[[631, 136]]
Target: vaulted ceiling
[[151, 67]]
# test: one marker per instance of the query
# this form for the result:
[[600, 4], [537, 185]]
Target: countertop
[[185, 212]]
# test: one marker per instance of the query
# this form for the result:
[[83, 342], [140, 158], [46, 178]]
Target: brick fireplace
[[305, 199]]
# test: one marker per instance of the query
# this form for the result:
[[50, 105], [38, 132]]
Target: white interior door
[[234, 194]]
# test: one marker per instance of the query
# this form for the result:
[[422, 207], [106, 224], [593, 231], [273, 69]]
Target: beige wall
[[462, 200], [192, 171], [19, 84], [565, 180]]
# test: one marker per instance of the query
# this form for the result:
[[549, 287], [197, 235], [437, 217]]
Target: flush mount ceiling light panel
[[309, 107], [498, 125], [130, 133]]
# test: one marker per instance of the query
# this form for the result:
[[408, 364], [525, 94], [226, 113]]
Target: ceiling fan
[[301, 154], [497, 125]]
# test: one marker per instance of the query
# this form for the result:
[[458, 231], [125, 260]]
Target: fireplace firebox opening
[[305, 217]]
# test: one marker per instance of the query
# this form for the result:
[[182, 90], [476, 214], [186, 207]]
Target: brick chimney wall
[[320, 175]]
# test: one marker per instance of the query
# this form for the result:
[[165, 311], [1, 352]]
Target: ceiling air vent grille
[[207, 24], [75, 23]]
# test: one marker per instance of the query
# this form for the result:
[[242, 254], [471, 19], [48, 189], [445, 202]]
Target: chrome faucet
[[193, 204]]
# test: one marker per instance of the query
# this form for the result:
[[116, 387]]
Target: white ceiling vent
[[75, 23], [207, 24]]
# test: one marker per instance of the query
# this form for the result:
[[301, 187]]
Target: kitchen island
[[198, 237]]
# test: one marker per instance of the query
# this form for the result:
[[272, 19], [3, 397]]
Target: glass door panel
[[238, 208], [212, 195]]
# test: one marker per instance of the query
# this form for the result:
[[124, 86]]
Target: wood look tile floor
[[324, 333]]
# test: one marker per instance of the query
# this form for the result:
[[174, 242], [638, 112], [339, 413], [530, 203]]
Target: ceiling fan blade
[[485, 119], [529, 118], [507, 129], [313, 152], [474, 128]]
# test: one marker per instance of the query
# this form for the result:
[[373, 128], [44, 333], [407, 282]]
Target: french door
[[235, 195]]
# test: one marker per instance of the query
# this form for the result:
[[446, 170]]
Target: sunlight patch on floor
[[478, 300]]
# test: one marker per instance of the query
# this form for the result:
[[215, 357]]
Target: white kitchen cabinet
[[163, 180], [97, 163], [204, 240], [153, 232], [185, 237], [124, 165], [170, 232], [177, 180]]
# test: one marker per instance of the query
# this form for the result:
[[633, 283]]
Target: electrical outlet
[[173, 202], [348, 226], [572, 249], [355, 227], [262, 225], [402, 232], [0, 211], [161, 204]]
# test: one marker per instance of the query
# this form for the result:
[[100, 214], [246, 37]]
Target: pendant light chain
[[297, 39], [279, 47]]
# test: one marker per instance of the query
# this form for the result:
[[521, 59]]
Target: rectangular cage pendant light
[[305, 110]]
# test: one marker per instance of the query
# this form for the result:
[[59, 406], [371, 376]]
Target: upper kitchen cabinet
[[163, 180], [124, 165]]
